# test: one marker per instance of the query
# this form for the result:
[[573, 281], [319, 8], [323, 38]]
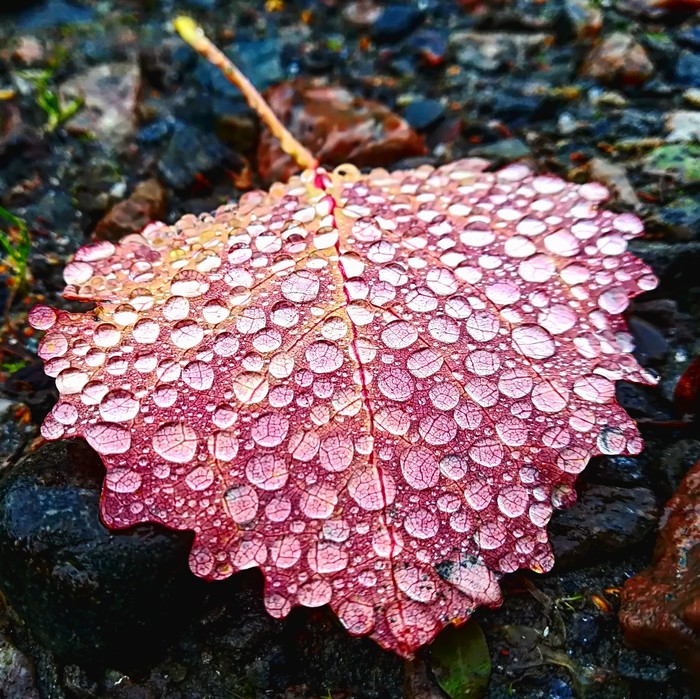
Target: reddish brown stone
[[146, 203], [618, 59], [337, 127], [661, 605]]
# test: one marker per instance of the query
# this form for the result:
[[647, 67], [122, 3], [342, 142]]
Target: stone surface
[[16, 429], [86, 592], [606, 519], [585, 16], [680, 161], [396, 22], [189, 153], [147, 203], [688, 69], [618, 59], [683, 125], [16, 672], [110, 93], [661, 605]]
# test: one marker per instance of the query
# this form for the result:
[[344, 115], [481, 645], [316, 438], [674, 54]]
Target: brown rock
[[109, 93], [618, 59], [336, 127], [661, 605], [147, 203]]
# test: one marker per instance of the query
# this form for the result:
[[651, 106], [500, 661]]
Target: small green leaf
[[461, 661]]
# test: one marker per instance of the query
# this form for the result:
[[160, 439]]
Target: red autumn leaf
[[374, 388], [336, 126]]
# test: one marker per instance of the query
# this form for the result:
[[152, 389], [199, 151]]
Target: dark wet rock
[[86, 592], [661, 605], [337, 127], [396, 22], [190, 152], [649, 341], [643, 667], [16, 672], [585, 17], [146, 203], [681, 218], [259, 60], [676, 461], [688, 69], [605, 520], [617, 470], [690, 37], [156, 132], [676, 265], [109, 93], [97, 186], [422, 114], [618, 60], [16, 430], [680, 161], [41, 15], [431, 45]]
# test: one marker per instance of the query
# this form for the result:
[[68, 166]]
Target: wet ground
[[101, 103]]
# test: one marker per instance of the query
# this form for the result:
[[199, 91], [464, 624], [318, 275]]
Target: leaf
[[337, 127], [461, 662], [374, 388]]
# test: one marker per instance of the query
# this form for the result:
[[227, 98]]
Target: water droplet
[[108, 438], [119, 406], [186, 334], [269, 430], [267, 471], [421, 524], [176, 442], [242, 503], [176, 308], [437, 429], [336, 452], [317, 501], [533, 341], [198, 375], [250, 387], [223, 445], [324, 357], [396, 384], [327, 557], [399, 335], [371, 489], [420, 468], [123, 480], [301, 287], [487, 452], [199, 478], [303, 445]]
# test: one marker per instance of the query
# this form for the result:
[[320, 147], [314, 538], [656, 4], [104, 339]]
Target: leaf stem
[[193, 34]]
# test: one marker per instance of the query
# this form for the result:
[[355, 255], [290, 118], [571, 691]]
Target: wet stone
[[109, 92], [145, 204], [86, 592], [396, 22], [687, 71], [681, 218], [618, 59], [423, 114], [661, 606], [16, 429], [190, 152], [605, 520]]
